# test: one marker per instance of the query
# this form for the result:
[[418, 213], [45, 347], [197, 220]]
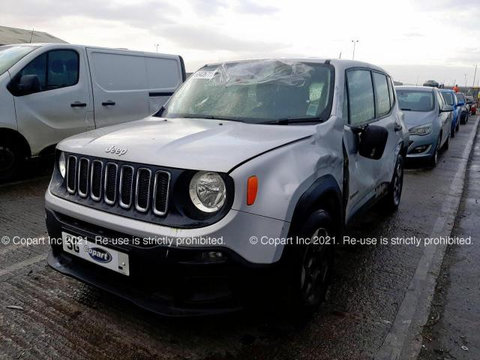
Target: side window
[[391, 92], [38, 67], [345, 106], [62, 69], [54, 69], [382, 97], [360, 96]]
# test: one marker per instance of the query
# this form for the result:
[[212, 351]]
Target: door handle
[[78, 104], [108, 103], [397, 127]]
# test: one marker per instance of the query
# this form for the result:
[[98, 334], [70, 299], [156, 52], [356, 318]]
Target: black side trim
[[267, 151], [323, 193], [160, 93], [182, 65]]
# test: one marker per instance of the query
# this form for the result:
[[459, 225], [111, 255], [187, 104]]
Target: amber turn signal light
[[252, 188]]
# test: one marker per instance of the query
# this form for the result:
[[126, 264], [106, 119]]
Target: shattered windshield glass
[[256, 91]]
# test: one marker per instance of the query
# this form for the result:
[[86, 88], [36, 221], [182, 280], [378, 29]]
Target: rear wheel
[[447, 143]]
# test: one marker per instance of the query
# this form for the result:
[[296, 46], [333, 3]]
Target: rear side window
[[360, 96], [382, 97], [115, 72], [391, 92]]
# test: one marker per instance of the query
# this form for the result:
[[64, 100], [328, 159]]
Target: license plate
[[95, 253]]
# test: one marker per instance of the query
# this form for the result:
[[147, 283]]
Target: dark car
[[431, 83], [462, 105]]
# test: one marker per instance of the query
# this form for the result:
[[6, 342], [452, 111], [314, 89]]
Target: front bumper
[[418, 142], [172, 282]]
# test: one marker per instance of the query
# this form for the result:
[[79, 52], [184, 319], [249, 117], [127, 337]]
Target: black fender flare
[[324, 194]]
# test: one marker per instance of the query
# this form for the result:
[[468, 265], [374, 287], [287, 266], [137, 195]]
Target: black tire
[[458, 126], [310, 266], [433, 161], [11, 160], [447, 144], [391, 201], [452, 132]]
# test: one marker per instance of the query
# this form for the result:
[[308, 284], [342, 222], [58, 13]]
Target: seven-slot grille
[[142, 189]]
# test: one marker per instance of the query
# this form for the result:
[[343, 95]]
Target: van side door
[[60, 102]]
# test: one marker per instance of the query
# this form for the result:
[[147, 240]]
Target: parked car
[[429, 120], [462, 105], [451, 100], [51, 91], [247, 152], [431, 83], [470, 103]]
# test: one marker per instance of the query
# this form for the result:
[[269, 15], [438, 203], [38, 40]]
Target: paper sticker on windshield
[[202, 74]]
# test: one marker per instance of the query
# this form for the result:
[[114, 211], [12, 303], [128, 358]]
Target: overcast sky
[[413, 40]]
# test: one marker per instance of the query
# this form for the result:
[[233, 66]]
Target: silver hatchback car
[[429, 120], [239, 188]]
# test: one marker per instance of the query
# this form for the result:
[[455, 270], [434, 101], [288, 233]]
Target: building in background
[[9, 35]]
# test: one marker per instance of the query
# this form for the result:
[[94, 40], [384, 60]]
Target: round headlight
[[207, 191], [62, 165]]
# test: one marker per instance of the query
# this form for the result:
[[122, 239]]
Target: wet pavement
[[56, 316], [452, 330]]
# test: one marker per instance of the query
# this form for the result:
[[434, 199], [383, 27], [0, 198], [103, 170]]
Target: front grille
[[133, 188]]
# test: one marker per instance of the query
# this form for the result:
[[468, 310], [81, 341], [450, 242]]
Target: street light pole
[[354, 45], [474, 76]]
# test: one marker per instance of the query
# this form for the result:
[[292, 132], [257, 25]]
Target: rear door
[[62, 106], [129, 85]]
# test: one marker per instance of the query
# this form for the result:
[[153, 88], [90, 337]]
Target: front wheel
[[10, 160], [433, 161], [391, 201], [311, 265]]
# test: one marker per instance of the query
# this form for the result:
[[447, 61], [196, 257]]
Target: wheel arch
[[19, 139], [324, 194]]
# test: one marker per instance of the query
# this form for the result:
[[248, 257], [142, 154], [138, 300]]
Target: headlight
[[62, 165], [421, 130], [207, 191]]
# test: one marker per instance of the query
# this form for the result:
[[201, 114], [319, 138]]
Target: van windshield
[[414, 100], [259, 91], [9, 55]]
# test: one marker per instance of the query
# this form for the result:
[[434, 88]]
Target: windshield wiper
[[293, 120], [405, 109]]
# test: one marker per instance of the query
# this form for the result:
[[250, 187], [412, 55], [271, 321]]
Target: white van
[[51, 91]]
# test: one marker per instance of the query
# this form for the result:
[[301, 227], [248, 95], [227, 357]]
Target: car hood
[[415, 118], [198, 144]]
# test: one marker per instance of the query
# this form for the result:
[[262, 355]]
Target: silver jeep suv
[[236, 191]]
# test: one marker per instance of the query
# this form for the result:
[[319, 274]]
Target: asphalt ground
[[452, 329], [44, 314]]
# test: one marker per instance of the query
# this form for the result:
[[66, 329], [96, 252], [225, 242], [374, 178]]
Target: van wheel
[[311, 265], [458, 126], [10, 160], [391, 201]]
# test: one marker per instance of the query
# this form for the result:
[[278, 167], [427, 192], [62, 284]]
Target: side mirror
[[446, 108], [25, 85], [372, 141]]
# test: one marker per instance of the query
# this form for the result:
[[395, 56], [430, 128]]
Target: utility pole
[[474, 76], [340, 55], [31, 35], [354, 45], [156, 47], [465, 80]]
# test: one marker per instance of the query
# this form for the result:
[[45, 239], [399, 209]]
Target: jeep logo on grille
[[115, 150], [99, 255]]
